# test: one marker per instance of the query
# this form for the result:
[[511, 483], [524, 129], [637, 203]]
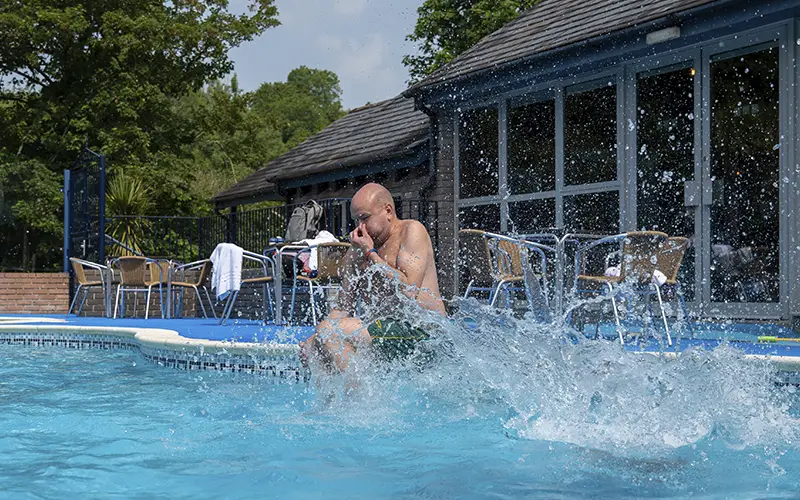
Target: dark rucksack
[[304, 222]]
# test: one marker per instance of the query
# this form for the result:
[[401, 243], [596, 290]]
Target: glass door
[[741, 184], [665, 158]]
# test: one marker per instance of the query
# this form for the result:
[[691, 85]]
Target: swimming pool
[[495, 416]]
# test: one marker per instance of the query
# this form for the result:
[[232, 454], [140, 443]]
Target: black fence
[[193, 238]]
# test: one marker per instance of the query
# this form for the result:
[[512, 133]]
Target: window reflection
[[532, 216], [532, 148], [484, 217], [595, 213], [478, 153], [745, 163], [665, 158], [590, 136]]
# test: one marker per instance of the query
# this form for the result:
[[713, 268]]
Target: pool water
[[100, 424]]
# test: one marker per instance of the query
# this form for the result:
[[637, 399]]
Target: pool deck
[[190, 328]]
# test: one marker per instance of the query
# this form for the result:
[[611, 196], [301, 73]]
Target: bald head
[[374, 196]]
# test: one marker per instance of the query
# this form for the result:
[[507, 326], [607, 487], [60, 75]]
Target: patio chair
[[638, 263], [330, 257], [504, 264], [476, 257], [669, 262], [265, 267], [204, 267], [133, 279], [84, 284]]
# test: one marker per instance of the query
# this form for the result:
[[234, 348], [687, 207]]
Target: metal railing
[[192, 238]]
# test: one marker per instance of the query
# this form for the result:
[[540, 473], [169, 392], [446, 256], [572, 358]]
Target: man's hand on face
[[361, 239]]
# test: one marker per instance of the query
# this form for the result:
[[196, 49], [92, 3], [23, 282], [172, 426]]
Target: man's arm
[[412, 259]]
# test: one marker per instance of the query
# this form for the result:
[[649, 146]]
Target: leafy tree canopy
[[446, 28]]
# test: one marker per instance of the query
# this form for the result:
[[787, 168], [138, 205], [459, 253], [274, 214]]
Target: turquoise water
[[511, 417]]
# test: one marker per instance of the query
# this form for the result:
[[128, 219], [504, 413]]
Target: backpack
[[304, 222]]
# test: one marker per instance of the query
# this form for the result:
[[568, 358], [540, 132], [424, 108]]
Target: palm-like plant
[[127, 199]]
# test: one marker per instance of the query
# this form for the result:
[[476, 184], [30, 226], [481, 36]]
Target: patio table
[[561, 242]]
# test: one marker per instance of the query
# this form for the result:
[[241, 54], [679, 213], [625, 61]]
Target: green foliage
[[126, 198], [30, 202], [446, 28], [140, 81], [306, 103]]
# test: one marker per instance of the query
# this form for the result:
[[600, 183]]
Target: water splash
[[547, 382]]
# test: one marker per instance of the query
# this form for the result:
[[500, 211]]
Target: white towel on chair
[[227, 271], [313, 259]]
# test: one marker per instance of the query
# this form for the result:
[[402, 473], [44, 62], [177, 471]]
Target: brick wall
[[34, 293]]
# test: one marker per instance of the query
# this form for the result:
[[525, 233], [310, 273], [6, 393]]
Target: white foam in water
[[548, 383]]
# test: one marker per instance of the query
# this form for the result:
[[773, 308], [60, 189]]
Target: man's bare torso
[[403, 250]]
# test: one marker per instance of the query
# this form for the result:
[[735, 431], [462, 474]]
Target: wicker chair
[[669, 262], [78, 268], [201, 282], [330, 258], [133, 279], [265, 267], [638, 263]]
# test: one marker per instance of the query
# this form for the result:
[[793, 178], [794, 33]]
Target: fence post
[[233, 237], [102, 209], [67, 195]]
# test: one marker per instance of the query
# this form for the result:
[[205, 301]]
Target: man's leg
[[335, 341]]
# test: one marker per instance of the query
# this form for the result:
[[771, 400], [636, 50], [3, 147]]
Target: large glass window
[[665, 158], [590, 135], [532, 216], [745, 161], [532, 148], [478, 153], [483, 217], [595, 213]]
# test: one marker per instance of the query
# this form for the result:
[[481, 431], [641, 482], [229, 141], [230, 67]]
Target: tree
[[446, 28], [105, 70], [106, 73], [306, 103]]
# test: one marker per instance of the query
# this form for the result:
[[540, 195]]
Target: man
[[403, 254]]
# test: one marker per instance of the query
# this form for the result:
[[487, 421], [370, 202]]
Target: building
[[616, 115]]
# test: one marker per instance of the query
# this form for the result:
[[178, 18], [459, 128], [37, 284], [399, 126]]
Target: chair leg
[[291, 307], [225, 308], [469, 288], [200, 300], [313, 302], [83, 300], [688, 319], [147, 304], [264, 304], [271, 303], [77, 292], [616, 313], [116, 301], [496, 292], [230, 306], [210, 302], [663, 314], [161, 300]]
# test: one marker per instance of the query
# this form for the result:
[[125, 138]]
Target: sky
[[362, 41]]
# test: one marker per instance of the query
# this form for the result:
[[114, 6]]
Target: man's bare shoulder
[[414, 232]]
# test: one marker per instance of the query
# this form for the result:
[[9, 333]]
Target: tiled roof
[[553, 24], [375, 132]]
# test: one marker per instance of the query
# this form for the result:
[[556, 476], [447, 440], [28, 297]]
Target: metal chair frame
[[199, 264], [122, 288], [645, 279], [312, 282], [266, 280], [85, 285]]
